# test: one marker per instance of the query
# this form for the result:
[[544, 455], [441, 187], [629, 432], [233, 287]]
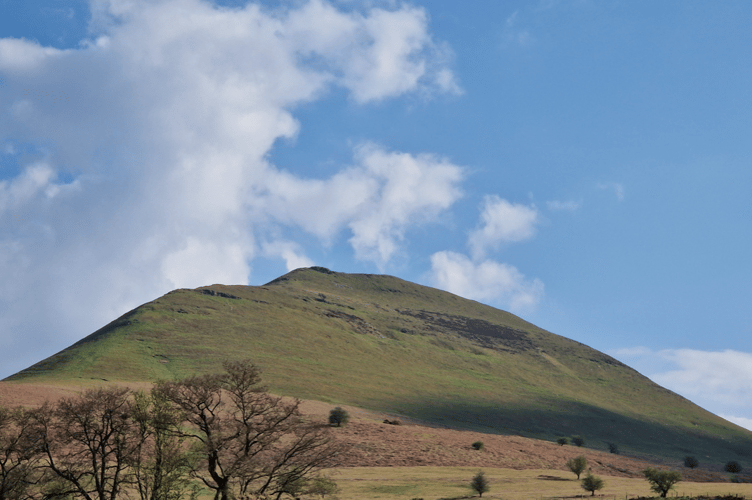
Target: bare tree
[[251, 442], [18, 447], [161, 463], [87, 442]]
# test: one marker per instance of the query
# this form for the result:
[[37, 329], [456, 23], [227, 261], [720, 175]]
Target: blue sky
[[584, 164]]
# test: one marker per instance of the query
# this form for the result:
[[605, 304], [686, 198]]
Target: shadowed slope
[[381, 342]]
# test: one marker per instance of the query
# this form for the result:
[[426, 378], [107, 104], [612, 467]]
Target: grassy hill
[[383, 343]]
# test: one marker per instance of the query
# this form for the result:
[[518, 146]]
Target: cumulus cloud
[[486, 281], [161, 126], [377, 199], [502, 222], [721, 379]]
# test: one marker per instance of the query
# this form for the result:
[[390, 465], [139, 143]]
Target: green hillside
[[383, 343]]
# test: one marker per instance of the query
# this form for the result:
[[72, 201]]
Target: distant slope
[[384, 343]]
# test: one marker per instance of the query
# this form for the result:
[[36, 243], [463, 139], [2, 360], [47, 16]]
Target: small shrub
[[691, 462], [562, 441], [479, 483], [392, 422], [577, 465], [478, 445], [338, 416], [661, 481], [733, 467], [321, 486], [592, 483], [613, 448], [578, 440]]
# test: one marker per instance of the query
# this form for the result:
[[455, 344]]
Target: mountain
[[383, 343]]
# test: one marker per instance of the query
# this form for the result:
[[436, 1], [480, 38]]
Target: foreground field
[[430, 483], [413, 460]]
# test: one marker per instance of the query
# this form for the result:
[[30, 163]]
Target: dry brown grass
[[375, 444]]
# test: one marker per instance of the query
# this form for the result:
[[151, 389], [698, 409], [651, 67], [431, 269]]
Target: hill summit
[[383, 343]]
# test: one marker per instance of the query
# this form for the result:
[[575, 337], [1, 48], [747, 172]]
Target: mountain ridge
[[380, 342]]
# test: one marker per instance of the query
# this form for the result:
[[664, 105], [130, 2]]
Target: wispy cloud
[[162, 125], [616, 187], [740, 421], [722, 379], [564, 206], [513, 34]]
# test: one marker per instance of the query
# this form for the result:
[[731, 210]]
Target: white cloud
[[719, 381], [201, 263], [740, 421], [165, 120], [724, 376], [23, 56], [36, 180], [290, 251], [485, 281], [502, 222], [377, 199], [411, 188]]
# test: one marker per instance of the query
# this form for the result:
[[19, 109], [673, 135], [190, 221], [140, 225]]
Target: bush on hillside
[[578, 440], [562, 441], [691, 462], [613, 448], [478, 445], [338, 416], [733, 467]]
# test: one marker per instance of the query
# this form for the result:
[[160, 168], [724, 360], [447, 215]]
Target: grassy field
[[432, 483]]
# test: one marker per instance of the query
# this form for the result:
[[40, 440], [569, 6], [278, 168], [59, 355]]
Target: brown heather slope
[[372, 443]]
